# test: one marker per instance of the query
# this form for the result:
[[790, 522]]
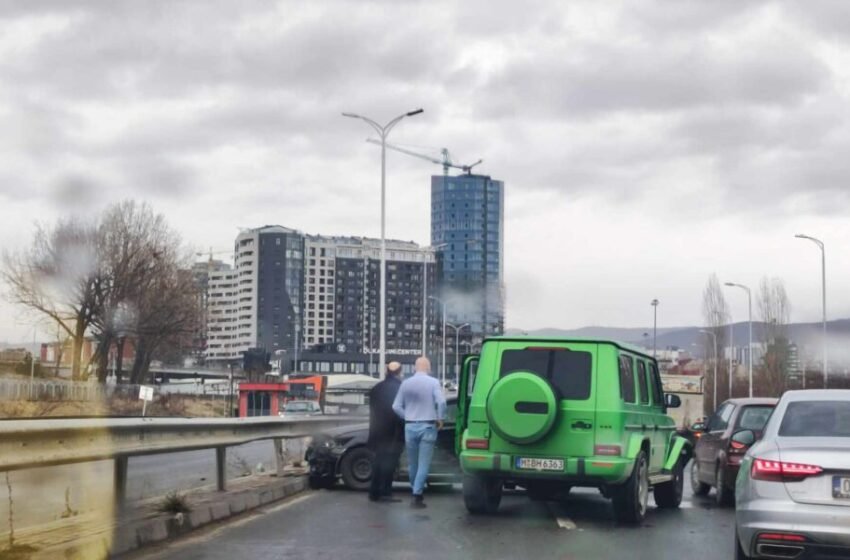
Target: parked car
[[793, 489], [693, 432], [301, 408], [716, 456], [552, 414], [341, 453]]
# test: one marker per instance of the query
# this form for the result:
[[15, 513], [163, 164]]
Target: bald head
[[423, 364], [394, 368]]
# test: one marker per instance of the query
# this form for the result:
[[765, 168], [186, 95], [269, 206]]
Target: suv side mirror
[[744, 437], [672, 401]]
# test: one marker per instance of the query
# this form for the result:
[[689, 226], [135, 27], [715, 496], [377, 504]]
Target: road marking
[[563, 522]]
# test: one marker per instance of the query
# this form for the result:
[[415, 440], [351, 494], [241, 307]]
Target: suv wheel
[[480, 494], [697, 487], [356, 468], [669, 494], [724, 495], [631, 499]]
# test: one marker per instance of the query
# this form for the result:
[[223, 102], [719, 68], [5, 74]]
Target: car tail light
[[778, 471], [737, 447], [608, 450], [788, 537], [477, 444]]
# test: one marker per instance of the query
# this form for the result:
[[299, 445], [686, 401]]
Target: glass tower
[[467, 230]]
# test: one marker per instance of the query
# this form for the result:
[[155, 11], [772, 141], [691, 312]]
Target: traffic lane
[[343, 524], [46, 494]]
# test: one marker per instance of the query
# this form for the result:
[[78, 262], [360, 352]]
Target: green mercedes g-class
[[551, 414]]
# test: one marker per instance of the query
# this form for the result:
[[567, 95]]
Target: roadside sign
[[145, 395]]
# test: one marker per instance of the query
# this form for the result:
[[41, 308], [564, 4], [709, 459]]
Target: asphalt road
[[343, 524], [40, 494]]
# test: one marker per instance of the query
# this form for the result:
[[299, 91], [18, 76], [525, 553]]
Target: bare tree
[[774, 310], [58, 277], [715, 313]]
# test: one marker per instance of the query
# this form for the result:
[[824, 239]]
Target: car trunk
[[832, 454]]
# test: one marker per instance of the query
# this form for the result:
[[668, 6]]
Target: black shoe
[[417, 502]]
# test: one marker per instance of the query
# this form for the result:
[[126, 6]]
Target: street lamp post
[[457, 329], [443, 304], [383, 132], [713, 336], [820, 244], [425, 299], [654, 304], [750, 319]]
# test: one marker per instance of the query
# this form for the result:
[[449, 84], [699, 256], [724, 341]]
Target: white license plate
[[538, 464], [841, 487]]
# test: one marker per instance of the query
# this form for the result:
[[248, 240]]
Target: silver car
[[793, 487]]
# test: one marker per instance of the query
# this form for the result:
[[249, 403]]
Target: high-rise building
[[290, 293], [410, 278], [259, 303], [467, 230]]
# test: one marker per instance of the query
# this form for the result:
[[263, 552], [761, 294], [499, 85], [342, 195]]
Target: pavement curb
[[138, 533]]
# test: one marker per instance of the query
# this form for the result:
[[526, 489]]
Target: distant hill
[[803, 334]]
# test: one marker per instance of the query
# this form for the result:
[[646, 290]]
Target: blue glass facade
[[467, 229]]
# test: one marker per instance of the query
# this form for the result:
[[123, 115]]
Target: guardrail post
[[220, 468], [280, 455], [120, 481]]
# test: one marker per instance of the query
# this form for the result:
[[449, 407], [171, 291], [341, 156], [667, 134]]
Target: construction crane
[[211, 253], [446, 160]]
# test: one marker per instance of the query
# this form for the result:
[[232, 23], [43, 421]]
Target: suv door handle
[[581, 425]]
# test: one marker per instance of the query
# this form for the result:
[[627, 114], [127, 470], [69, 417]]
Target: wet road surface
[[336, 524]]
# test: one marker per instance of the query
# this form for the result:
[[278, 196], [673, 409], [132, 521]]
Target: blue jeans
[[419, 440]]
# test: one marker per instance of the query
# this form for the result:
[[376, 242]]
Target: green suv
[[551, 414]]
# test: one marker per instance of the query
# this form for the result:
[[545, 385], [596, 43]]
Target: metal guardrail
[[39, 443]]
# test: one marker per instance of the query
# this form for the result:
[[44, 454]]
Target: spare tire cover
[[522, 407]]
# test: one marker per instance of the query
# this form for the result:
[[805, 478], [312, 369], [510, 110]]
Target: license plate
[[538, 464], [841, 487]]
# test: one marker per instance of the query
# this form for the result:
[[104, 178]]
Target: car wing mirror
[[744, 437], [672, 401], [698, 427]]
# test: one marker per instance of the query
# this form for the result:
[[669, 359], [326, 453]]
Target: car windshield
[[816, 419], [754, 417]]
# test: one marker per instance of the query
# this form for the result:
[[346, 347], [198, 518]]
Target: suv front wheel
[[669, 494], [631, 499], [480, 494]]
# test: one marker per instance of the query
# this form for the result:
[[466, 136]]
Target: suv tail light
[[477, 444], [607, 450], [778, 471]]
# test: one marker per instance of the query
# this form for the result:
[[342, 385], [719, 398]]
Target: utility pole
[[820, 244], [750, 315], [654, 304]]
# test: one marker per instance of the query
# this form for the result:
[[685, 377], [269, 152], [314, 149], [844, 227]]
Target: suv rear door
[[571, 370]]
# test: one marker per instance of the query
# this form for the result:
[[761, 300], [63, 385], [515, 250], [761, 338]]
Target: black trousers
[[383, 470]]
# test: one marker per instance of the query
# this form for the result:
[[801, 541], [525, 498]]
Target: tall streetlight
[[750, 319], [820, 244], [443, 304], [654, 304], [383, 132], [457, 329], [713, 336]]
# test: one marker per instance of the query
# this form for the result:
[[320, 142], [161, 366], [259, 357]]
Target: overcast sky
[[643, 144]]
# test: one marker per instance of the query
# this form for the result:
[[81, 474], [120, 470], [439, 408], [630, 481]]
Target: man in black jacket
[[386, 434]]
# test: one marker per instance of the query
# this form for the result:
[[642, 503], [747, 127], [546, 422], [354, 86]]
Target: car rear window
[[754, 417], [816, 419], [569, 371]]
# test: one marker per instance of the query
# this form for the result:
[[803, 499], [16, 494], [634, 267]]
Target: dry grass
[[166, 405]]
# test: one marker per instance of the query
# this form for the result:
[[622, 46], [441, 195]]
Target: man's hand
[[439, 425]]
